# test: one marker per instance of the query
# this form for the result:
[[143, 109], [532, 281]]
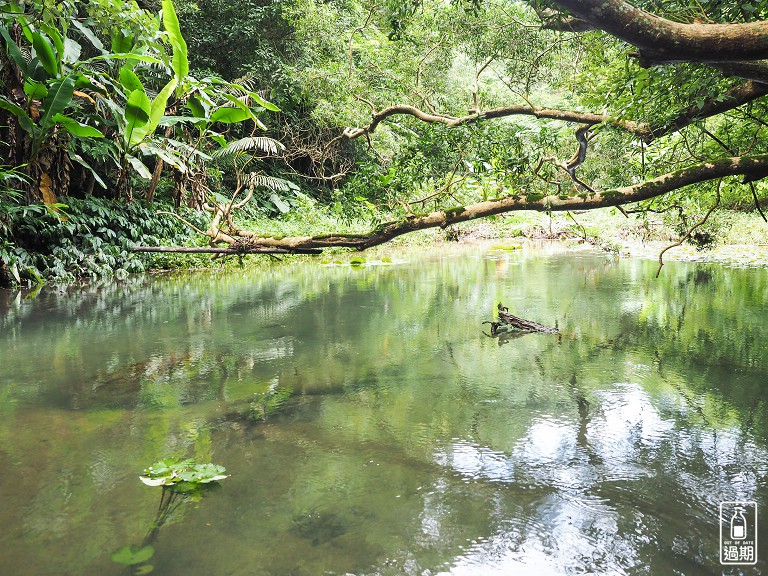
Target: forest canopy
[[412, 114]]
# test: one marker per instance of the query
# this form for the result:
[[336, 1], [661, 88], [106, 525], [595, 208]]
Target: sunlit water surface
[[371, 427]]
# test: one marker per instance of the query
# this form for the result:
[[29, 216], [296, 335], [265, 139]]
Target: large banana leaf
[[130, 80], [136, 113], [14, 51], [46, 55], [79, 159], [264, 103], [139, 166], [229, 115], [59, 96], [26, 123], [77, 128], [180, 61], [156, 113], [89, 34]]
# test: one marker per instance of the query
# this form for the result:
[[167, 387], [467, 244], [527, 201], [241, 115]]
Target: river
[[371, 427]]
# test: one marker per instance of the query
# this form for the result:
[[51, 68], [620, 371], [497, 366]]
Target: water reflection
[[371, 427]]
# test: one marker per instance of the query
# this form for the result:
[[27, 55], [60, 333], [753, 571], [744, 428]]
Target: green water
[[370, 427]]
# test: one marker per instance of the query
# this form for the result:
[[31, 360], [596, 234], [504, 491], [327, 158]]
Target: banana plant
[[48, 88], [45, 100]]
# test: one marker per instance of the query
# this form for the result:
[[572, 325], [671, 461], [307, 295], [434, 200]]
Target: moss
[[455, 211]]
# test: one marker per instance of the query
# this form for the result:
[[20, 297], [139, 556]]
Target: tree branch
[[663, 41], [690, 230], [733, 98], [639, 128], [752, 168]]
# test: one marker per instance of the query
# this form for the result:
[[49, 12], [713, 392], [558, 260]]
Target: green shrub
[[89, 238]]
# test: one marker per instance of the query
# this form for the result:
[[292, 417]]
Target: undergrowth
[[89, 239]]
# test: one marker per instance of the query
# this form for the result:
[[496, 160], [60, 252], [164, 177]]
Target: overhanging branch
[[663, 41], [732, 98], [751, 168]]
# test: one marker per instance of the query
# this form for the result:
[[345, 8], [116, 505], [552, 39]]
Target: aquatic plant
[[182, 475], [181, 480]]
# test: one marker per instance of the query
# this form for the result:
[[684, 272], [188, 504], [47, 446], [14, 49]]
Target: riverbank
[[93, 240], [730, 238]]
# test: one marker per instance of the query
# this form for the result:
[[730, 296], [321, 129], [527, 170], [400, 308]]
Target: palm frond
[[271, 182], [260, 143]]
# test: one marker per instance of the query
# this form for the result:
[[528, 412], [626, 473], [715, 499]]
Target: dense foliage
[[86, 238], [382, 111]]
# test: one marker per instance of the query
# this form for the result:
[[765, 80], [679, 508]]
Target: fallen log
[[217, 250], [509, 321]]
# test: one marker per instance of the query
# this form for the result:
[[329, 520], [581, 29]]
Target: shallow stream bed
[[371, 427]]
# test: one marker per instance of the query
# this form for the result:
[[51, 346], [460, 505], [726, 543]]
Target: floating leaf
[[153, 481], [129, 555]]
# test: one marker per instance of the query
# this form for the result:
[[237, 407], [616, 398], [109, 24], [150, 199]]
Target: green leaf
[[129, 555], [56, 37], [139, 166], [44, 50], [264, 103], [124, 56], [59, 96], [279, 203], [35, 90], [72, 51], [166, 156], [136, 113], [180, 60], [88, 33], [76, 128], [173, 120], [121, 42], [196, 106], [79, 159], [229, 115], [14, 51], [130, 81], [157, 111], [21, 115]]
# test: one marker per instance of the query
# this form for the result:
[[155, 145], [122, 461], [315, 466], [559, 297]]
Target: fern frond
[[260, 143], [271, 182]]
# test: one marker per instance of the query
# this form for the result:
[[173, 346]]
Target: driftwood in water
[[509, 321]]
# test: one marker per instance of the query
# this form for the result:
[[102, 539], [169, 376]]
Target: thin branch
[[195, 228], [690, 230], [757, 201]]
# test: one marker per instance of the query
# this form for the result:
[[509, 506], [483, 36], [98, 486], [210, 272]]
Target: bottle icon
[[738, 524]]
